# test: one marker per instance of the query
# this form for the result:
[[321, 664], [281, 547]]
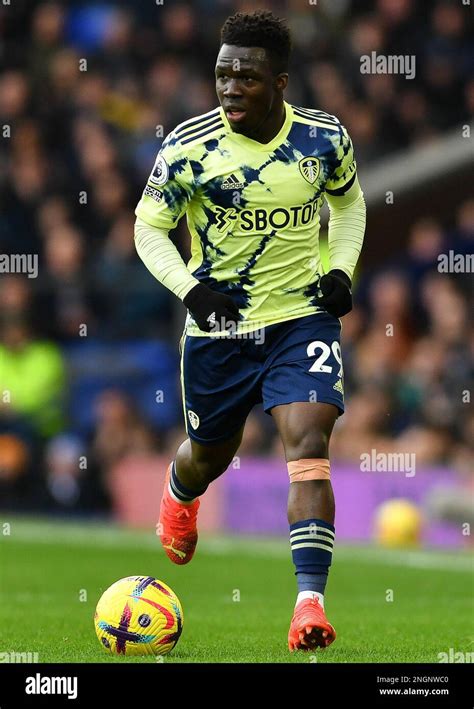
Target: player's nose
[[232, 88]]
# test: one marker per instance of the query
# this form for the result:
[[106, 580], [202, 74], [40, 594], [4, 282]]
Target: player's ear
[[281, 82]]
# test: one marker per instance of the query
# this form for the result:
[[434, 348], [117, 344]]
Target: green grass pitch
[[47, 569]]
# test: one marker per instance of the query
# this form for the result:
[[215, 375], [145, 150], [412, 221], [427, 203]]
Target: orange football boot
[[309, 626], [177, 528]]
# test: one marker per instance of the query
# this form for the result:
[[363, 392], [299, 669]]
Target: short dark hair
[[260, 29]]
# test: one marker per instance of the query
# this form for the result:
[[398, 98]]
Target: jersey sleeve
[[169, 188], [344, 172]]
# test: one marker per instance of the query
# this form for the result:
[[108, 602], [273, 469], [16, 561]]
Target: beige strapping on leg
[[309, 469]]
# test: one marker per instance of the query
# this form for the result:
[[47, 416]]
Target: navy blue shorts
[[223, 378]]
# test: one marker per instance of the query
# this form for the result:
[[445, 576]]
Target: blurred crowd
[[87, 93]]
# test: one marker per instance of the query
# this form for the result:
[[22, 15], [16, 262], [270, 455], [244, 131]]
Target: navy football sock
[[179, 491], [312, 542]]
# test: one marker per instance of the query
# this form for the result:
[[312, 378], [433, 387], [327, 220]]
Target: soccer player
[[263, 319]]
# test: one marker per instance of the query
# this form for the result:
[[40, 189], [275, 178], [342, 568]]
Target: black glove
[[211, 311], [337, 294]]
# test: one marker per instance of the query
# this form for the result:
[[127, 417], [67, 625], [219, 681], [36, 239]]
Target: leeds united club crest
[[309, 168]]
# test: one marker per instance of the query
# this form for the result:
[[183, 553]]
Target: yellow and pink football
[[138, 615]]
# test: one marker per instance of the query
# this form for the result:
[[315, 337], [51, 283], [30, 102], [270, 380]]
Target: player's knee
[[311, 444]]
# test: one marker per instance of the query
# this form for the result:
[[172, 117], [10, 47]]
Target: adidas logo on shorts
[[339, 387]]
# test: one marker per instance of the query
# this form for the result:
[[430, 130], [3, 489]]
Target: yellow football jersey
[[252, 208]]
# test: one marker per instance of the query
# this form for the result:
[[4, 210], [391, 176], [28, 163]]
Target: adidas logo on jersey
[[232, 183]]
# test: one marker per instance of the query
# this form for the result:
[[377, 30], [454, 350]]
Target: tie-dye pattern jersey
[[252, 209]]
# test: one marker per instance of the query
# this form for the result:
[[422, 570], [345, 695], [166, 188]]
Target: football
[[138, 615], [398, 523]]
